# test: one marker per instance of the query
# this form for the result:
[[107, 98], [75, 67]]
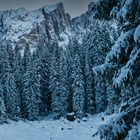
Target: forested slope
[[89, 64]]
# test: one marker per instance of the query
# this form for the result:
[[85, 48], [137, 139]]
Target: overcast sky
[[74, 7]]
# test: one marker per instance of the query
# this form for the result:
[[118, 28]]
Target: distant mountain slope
[[22, 26]]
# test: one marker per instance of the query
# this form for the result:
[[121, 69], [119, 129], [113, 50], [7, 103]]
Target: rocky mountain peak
[[27, 27]]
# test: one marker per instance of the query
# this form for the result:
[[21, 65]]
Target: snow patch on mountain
[[18, 28], [23, 25], [65, 38]]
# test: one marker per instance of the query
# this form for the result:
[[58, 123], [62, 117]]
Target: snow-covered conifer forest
[[54, 68]]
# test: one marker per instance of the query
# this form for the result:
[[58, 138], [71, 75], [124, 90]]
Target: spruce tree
[[43, 57], [78, 82], [54, 82], [64, 88], [3, 115], [31, 90], [11, 94]]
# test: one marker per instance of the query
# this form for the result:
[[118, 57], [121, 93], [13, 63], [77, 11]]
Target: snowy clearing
[[49, 129]]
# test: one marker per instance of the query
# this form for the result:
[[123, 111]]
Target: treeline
[[54, 78]]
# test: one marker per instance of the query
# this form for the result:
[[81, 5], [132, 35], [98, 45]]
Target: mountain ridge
[[21, 25]]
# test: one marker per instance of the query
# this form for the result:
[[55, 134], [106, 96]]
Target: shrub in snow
[[84, 119], [71, 116]]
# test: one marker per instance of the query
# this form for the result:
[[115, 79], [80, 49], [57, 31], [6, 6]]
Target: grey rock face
[[28, 27], [50, 23]]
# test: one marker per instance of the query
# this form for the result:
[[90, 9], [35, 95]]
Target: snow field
[[50, 129]]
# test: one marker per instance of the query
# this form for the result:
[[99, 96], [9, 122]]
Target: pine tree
[[31, 86], [64, 88], [11, 95], [78, 83], [18, 74], [69, 64], [12, 98], [54, 83], [43, 56], [88, 74], [96, 47], [26, 58], [3, 115], [122, 64], [31, 90], [101, 46]]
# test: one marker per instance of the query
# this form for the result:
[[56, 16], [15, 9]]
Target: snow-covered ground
[[50, 129]]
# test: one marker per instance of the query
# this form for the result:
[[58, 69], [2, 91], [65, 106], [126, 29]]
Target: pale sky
[[73, 7]]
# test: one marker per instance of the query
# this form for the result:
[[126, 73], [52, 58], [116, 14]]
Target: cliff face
[[28, 27], [50, 23]]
